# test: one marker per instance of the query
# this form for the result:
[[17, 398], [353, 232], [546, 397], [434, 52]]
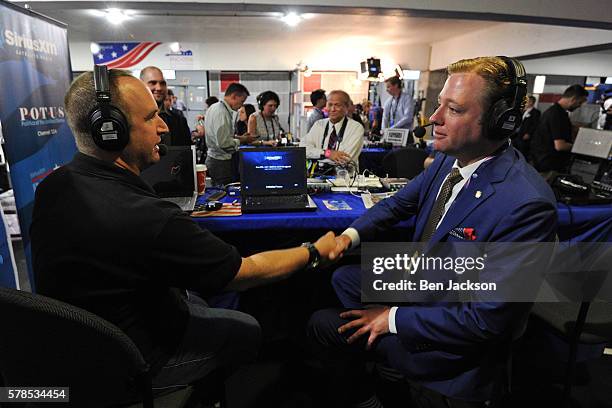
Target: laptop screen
[[174, 174], [593, 143], [273, 171]]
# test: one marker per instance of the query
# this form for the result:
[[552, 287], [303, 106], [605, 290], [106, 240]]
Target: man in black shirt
[[104, 241], [552, 142], [178, 134]]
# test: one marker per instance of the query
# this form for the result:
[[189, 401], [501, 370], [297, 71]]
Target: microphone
[[419, 131], [162, 149]]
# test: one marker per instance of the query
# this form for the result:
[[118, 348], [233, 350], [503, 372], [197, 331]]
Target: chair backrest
[[45, 342], [407, 162]]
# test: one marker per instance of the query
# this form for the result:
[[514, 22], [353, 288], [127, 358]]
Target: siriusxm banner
[[35, 74]]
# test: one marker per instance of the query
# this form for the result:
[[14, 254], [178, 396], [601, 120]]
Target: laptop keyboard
[[283, 201]]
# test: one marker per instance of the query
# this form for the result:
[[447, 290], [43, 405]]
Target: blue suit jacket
[[458, 349]]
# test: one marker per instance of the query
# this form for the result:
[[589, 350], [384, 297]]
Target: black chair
[[586, 322], [45, 342], [407, 162]]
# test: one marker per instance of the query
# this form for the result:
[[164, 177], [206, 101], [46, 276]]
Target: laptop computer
[[174, 177], [593, 143], [274, 179]]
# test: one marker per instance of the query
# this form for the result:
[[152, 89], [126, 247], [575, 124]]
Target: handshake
[[331, 248]]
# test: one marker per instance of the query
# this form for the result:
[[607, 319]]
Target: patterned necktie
[[438, 208], [333, 139]]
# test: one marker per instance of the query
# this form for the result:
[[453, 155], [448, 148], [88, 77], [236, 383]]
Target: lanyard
[[392, 115], [340, 135], [266, 125]]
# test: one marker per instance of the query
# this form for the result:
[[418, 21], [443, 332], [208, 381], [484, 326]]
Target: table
[[252, 232]]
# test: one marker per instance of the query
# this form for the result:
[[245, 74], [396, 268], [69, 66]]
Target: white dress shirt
[[466, 172], [351, 143]]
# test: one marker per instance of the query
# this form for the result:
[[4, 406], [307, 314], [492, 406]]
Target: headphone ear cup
[[109, 132], [502, 120]]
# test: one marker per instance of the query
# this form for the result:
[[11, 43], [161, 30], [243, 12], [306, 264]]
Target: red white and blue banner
[[137, 55], [35, 75]]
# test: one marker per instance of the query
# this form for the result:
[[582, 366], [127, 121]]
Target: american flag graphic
[[123, 54]]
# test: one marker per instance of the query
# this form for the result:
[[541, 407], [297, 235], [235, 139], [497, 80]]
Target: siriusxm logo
[[14, 39]]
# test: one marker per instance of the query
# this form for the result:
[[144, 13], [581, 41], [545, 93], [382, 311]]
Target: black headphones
[[266, 96], [505, 114], [109, 126]]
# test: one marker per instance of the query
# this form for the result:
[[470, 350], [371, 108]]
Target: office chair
[[45, 342], [586, 322], [407, 162]]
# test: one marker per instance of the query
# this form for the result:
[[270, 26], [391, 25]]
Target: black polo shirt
[[554, 124], [102, 240]]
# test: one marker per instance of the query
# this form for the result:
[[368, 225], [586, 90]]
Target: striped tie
[[438, 208]]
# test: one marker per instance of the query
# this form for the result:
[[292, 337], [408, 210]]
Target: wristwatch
[[314, 256]]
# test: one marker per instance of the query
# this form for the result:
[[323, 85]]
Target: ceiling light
[[116, 16], [307, 71], [175, 47], [291, 19], [94, 47]]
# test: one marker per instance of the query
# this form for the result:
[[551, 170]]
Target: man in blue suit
[[479, 188]]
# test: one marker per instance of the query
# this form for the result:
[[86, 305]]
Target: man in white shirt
[[219, 133], [339, 139], [398, 111]]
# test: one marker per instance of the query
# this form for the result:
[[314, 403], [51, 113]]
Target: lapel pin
[[478, 194]]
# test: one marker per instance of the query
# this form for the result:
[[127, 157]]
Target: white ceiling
[[255, 27]]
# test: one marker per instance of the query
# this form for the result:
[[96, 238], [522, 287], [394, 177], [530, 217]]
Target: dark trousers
[[221, 171], [346, 364], [214, 339]]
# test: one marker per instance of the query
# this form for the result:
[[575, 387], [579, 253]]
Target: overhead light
[[538, 85], [307, 71], [291, 19], [175, 47], [608, 80], [116, 16], [94, 48]]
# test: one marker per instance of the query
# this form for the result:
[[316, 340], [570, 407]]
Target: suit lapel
[[490, 172]]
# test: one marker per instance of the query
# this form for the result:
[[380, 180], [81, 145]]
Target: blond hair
[[496, 74]]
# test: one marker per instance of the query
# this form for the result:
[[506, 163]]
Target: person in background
[[318, 100], [265, 125], [337, 138], [244, 113], [375, 116], [173, 106], [353, 113], [177, 103], [363, 109], [198, 134], [219, 134], [398, 111], [552, 141], [531, 117], [605, 117], [179, 134]]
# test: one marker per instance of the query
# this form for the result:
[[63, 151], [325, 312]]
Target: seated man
[[337, 139], [453, 354], [104, 241]]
